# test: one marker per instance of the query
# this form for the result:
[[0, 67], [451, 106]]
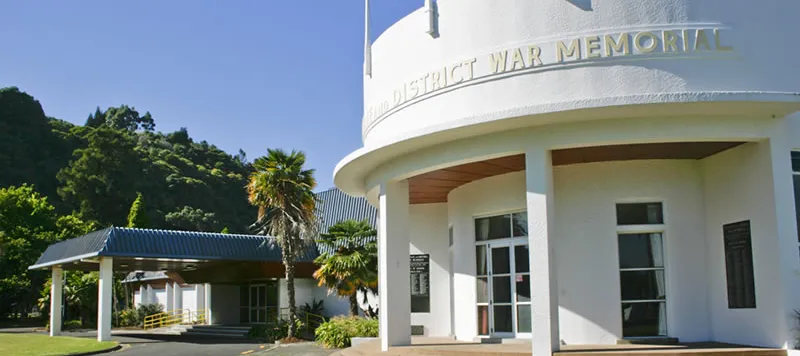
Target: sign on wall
[[739, 265], [420, 284]]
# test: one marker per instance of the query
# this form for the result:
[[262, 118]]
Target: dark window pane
[[480, 260], [523, 288], [639, 285], [262, 315], [272, 294], [244, 296], [502, 319], [244, 315], [501, 289], [483, 320], [483, 289], [521, 255], [253, 315], [644, 319], [501, 262], [262, 296], [639, 214], [520, 224], [796, 199], [253, 296], [796, 161], [640, 251], [524, 319], [491, 228], [272, 314], [450, 236]]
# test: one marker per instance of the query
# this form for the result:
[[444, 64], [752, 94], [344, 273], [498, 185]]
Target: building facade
[[580, 172]]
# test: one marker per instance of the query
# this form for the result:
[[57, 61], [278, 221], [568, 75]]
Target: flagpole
[[367, 42]]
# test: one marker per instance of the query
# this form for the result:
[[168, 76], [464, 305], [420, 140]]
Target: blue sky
[[249, 74]]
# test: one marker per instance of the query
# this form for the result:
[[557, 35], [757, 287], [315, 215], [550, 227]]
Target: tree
[[282, 189], [224, 230], [350, 262], [137, 217], [191, 219], [28, 224]]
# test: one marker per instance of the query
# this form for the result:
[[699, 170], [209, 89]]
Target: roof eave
[[63, 261]]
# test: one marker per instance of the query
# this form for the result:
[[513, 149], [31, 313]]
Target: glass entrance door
[[503, 286], [258, 303]]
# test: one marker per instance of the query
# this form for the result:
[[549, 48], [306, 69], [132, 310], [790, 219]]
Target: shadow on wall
[[585, 5]]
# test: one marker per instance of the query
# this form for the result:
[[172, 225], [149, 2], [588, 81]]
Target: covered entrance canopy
[[195, 257]]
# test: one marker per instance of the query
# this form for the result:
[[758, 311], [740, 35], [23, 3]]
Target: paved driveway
[[143, 344]]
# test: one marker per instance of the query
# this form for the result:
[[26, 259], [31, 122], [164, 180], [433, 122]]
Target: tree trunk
[[288, 262], [354, 304]]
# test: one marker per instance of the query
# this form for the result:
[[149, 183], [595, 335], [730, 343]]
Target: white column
[[56, 292], [393, 264], [199, 297], [151, 296], [785, 219], [177, 296], [104, 299], [142, 295], [207, 301], [544, 291], [169, 298]]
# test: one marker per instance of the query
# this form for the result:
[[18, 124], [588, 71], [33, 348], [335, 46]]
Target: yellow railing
[[310, 320], [174, 317]]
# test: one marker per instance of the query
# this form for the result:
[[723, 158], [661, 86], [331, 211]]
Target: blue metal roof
[[150, 243], [334, 206]]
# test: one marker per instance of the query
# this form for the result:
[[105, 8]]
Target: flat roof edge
[[62, 261]]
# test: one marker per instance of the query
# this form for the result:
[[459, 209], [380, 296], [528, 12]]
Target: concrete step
[[237, 332]]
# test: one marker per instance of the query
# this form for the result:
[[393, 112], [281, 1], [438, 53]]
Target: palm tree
[[350, 262], [283, 192]]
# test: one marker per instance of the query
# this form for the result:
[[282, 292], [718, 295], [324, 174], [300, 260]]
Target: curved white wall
[[586, 243], [745, 50]]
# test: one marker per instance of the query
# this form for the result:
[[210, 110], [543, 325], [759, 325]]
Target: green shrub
[[71, 325], [274, 331], [146, 310], [129, 317], [336, 333]]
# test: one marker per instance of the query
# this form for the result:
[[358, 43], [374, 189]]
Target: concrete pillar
[[177, 296], [394, 281], [200, 297], [104, 299], [142, 295], [56, 292], [544, 296], [207, 300], [786, 228], [168, 306], [151, 296]]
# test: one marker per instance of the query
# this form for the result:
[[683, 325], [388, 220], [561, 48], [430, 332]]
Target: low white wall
[[303, 292], [429, 235], [160, 297], [738, 186]]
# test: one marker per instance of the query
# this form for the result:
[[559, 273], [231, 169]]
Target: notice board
[[739, 265], [420, 283]]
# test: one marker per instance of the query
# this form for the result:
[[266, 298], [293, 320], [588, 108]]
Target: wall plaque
[[739, 265], [420, 283]]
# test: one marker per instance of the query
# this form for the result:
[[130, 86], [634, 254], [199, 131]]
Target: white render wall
[[738, 187], [586, 243], [429, 234]]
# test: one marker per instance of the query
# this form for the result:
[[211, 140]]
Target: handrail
[[174, 317], [303, 316]]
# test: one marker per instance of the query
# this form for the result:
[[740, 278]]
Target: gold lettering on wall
[[587, 47], [622, 44], [574, 50]]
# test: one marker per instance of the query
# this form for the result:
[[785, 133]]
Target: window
[[641, 269], [796, 180]]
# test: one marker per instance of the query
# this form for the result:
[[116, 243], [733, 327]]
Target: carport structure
[[195, 257]]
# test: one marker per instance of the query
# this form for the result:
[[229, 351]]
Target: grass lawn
[[44, 345]]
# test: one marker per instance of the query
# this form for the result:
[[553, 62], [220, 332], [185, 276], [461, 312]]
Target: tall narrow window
[[796, 179], [641, 269]]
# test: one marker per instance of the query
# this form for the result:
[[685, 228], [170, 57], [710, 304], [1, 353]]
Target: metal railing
[[310, 320], [175, 317]]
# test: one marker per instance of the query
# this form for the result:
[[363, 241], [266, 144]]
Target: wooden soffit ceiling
[[433, 187]]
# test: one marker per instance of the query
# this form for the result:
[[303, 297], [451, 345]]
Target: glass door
[[503, 289], [258, 304]]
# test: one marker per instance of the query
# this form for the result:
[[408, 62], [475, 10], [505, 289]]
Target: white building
[[580, 172]]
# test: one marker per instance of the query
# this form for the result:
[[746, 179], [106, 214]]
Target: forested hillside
[[97, 169]]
